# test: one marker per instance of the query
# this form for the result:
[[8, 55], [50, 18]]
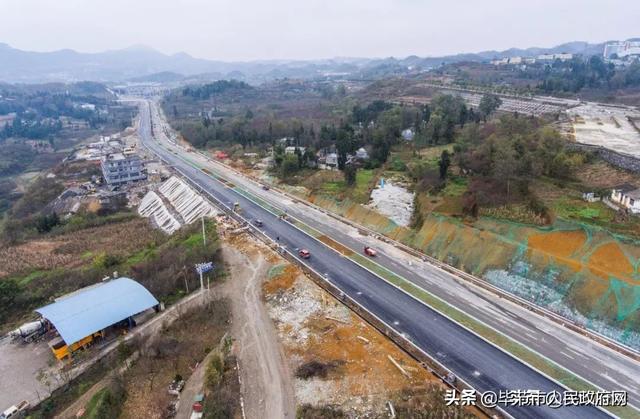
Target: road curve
[[480, 364]]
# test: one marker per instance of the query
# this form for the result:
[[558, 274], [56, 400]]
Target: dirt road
[[267, 388], [145, 331], [193, 386]]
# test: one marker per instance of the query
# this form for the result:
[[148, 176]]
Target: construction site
[[326, 357]]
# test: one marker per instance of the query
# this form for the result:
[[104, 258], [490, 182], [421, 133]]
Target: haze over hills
[[140, 63]]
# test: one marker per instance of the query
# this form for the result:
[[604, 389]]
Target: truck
[[62, 351], [29, 332]]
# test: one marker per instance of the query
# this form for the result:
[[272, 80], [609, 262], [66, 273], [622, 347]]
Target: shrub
[[315, 369], [307, 411], [215, 369]]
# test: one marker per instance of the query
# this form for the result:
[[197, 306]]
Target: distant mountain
[[162, 77], [144, 64]]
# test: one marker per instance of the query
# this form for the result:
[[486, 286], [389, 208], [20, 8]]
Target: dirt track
[[267, 388]]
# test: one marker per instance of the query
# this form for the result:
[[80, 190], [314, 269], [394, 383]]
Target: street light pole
[[204, 237]]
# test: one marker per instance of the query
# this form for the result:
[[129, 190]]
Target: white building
[[362, 154], [552, 57], [503, 61], [407, 134], [331, 160], [515, 60], [292, 150], [622, 49], [628, 197]]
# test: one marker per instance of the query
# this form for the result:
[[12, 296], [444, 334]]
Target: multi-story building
[[118, 168], [622, 49]]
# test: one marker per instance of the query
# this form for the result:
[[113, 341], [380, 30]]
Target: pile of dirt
[[339, 359]]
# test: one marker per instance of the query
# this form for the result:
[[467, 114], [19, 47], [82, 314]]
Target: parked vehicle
[[265, 187], [304, 254], [369, 251], [15, 411], [258, 223], [176, 387], [29, 332], [197, 407]]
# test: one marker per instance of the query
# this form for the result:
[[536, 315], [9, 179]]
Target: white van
[[11, 412]]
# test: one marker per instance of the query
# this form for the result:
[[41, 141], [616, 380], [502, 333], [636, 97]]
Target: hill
[[141, 63]]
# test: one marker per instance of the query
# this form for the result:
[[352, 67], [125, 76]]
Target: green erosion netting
[[580, 271]]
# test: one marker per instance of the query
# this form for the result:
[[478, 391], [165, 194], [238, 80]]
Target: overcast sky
[[303, 29]]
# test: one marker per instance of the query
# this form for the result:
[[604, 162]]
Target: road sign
[[204, 267]]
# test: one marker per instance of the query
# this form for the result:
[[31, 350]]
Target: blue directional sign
[[204, 267]]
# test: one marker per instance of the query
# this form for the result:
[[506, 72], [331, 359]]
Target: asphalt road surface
[[469, 357]]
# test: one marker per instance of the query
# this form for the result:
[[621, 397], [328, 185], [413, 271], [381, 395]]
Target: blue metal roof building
[[95, 308]]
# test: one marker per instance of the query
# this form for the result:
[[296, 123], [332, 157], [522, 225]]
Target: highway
[[480, 364]]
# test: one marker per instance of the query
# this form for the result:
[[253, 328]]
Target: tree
[[350, 172], [434, 129], [45, 223], [344, 144], [9, 291], [214, 371], [290, 165], [505, 165], [445, 162], [488, 105]]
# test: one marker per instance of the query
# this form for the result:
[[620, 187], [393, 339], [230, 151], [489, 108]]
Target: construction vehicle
[[369, 251], [30, 332], [15, 411], [61, 350]]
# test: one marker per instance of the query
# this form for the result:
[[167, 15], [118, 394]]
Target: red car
[[369, 251], [304, 254]]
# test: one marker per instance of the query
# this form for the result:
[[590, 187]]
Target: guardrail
[[457, 273], [428, 362], [401, 340]]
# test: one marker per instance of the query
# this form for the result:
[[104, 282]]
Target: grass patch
[[364, 183], [193, 241], [456, 186], [333, 187], [593, 212], [276, 271], [309, 230], [259, 201], [33, 275], [106, 403], [141, 256]]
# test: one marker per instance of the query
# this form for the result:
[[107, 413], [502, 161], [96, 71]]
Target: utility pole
[[204, 237]]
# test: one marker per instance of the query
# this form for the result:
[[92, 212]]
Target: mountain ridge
[[140, 61]]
